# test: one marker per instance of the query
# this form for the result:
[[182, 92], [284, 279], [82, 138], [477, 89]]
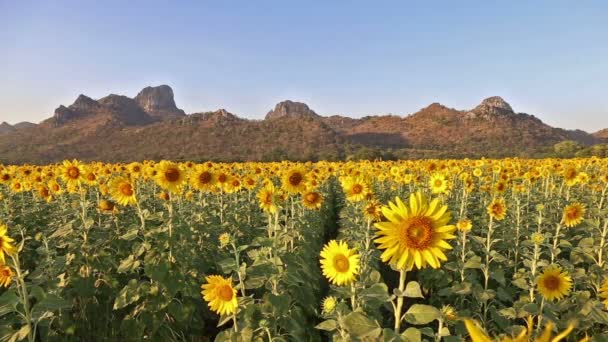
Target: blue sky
[[548, 58]]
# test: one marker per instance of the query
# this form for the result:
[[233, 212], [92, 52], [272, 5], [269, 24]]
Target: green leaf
[[412, 290], [360, 326], [474, 262], [130, 235], [412, 335], [128, 264], [421, 314], [329, 325], [227, 265], [8, 302]]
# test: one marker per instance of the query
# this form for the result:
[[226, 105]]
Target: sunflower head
[[294, 180], [312, 200], [573, 214], [122, 191], [464, 225], [329, 304], [604, 293], [553, 283], [6, 244], [340, 264], [170, 176], [497, 209], [415, 235], [220, 295], [439, 184], [6, 275]]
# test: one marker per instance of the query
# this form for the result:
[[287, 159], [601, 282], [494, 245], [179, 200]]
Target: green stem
[[402, 274]]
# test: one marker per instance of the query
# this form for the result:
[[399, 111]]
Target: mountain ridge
[[151, 126]]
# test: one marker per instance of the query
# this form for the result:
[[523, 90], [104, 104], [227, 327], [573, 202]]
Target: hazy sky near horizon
[[356, 58]]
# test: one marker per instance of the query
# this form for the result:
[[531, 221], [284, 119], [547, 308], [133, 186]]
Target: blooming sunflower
[[464, 225], [497, 209], [122, 191], [170, 176], [106, 206], [439, 184], [220, 295], [554, 283], [478, 335], [355, 189], [415, 235], [604, 293], [573, 214], [294, 180], [339, 263], [312, 200], [72, 172], [6, 275], [5, 244], [267, 198]]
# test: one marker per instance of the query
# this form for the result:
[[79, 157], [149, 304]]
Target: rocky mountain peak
[[291, 109], [490, 108], [84, 103], [159, 102]]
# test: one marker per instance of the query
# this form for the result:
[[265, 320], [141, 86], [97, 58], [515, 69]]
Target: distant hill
[[151, 126]]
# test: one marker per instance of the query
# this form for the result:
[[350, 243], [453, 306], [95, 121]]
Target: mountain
[[602, 134], [151, 126], [5, 127]]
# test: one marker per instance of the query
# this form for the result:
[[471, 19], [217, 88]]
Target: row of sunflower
[[423, 250]]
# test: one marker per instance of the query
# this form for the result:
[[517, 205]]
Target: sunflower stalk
[[600, 251], [24, 297], [399, 306], [554, 251]]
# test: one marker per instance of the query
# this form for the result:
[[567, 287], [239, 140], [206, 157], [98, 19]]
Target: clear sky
[[548, 58]]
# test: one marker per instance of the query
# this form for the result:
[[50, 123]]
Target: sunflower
[[439, 184], [415, 235], [464, 225], [478, 335], [329, 304], [312, 200], [573, 214], [122, 191], [5, 244], [220, 295], [170, 176], [44, 193], [373, 211], [355, 189], [497, 209], [107, 206], [604, 293], [294, 180], [267, 198], [339, 263], [554, 283], [224, 239], [202, 178], [72, 172], [6, 275]]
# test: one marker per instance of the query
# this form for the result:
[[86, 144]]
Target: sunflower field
[[430, 250]]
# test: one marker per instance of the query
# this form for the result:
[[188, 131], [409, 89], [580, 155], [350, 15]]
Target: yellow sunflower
[[122, 191], [573, 214], [478, 335], [202, 178], [497, 209], [294, 180], [415, 235], [106, 206], [170, 176], [6, 275], [267, 198], [339, 263], [464, 225], [439, 184], [604, 293], [220, 295], [5, 244], [72, 172], [312, 200], [553, 283], [355, 189]]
